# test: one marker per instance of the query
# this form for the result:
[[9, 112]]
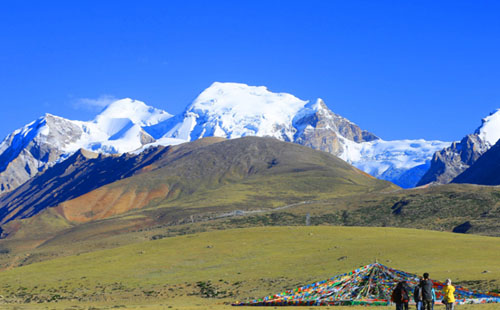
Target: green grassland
[[212, 269], [438, 208]]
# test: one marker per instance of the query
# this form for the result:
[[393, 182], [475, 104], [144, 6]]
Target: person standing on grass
[[400, 296], [449, 297], [417, 296], [426, 285]]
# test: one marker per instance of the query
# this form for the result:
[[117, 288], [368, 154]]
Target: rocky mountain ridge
[[51, 139], [29, 150], [485, 170], [450, 162]]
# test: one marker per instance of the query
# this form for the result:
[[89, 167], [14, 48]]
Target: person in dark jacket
[[426, 285], [400, 295], [417, 296]]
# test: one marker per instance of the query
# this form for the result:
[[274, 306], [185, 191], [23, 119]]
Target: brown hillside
[[82, 173], [204, 168]]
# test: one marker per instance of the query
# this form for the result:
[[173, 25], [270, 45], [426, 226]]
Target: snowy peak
[[489, 131], [319, 106], [47, 130], [49, 139], [243, 100], [136, 111], [233, 110], [245, 110], [310, 109], [30, 149], [119, 127]]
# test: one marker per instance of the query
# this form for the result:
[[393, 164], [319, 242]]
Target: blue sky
[[400, 69]]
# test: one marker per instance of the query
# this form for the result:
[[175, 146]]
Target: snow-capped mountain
[[228, 110], [28, 150], [41, 143], [450, 162], [233, 110], [119, 128]]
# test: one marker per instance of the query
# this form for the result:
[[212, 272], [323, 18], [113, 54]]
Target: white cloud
[[97, 103]]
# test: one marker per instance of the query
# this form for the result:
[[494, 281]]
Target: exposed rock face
[[452, 161], [145, 138], [31, 149], [321, 129], [485, 170]]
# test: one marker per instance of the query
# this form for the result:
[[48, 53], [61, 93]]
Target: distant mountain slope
[[450, 162], [262, 166], [485, 170], [243, 173], [81, 173]]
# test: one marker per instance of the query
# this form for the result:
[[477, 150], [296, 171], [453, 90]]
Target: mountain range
[[237, 156], [53, 160], [228, 110]]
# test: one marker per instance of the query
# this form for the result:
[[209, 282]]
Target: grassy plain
[[241, 264], [441, 208]]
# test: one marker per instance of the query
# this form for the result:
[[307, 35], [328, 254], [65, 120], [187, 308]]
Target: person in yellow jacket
[[448, 296]]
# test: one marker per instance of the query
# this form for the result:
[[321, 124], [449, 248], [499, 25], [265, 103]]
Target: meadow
[[213, 269]]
